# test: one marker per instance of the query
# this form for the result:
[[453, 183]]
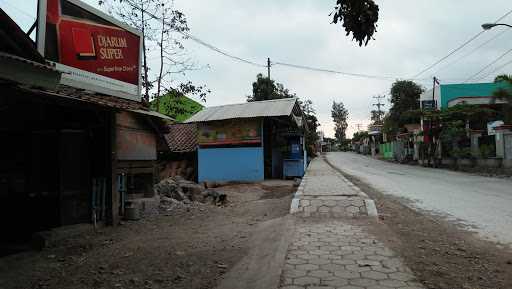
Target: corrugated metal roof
[[267, 108]]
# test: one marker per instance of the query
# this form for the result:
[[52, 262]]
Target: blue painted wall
[[230, 164]]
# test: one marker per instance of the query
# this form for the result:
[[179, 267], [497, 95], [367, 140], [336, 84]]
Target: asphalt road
[[482, 204]]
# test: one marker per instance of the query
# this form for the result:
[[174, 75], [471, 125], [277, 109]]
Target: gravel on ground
[[187, 248]]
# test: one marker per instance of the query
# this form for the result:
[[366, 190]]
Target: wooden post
[[114, 196]]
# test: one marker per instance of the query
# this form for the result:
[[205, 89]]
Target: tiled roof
[[182, 137]]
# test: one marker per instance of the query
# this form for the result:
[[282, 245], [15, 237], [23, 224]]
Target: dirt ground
[[440, 253], [190, 249]]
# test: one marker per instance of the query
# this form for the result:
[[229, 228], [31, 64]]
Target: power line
[[197, 40], [243, 60], [20, 11], [253, 63], [334, 71], [460, 47], [489, 65], [496, 70], [473, 51], [379, 105], [218, 50]]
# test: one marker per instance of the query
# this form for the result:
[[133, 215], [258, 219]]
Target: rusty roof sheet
[[94, 98], [267, 108], [44, 65], [71, 93], [182, 137]]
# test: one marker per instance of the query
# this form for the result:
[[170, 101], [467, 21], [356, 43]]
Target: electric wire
[[472, 51], [297, 66], [459, 47], [381, 77], [488, 65], [499, 68], [28, 16], [218, 50]]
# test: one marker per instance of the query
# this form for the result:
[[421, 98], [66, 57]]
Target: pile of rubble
[[177, 192]]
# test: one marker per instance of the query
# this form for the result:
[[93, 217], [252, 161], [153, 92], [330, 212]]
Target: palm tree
[[505, 94], [503, 77]]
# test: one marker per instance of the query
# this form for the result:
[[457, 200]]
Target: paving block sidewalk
[[326, 193], [329, 249]]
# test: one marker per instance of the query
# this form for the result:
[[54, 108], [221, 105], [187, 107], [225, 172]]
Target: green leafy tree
[[405, 105], [312, 123], [358, 17], [161, 26], [503, 77], [505, 94], [340, 117], [176, 105], [266, 89], [376, 116], [359, 135], [453, 126]]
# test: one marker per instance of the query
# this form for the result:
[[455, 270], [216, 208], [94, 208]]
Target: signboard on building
[[93, 50], [428, 104], [230, 132]]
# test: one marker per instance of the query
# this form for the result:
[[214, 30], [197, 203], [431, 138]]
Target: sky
[[410, 36]]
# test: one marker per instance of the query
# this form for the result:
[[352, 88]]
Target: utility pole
[[268, 68], [268, 80], [359, 125], [432, 148], [379, 105], [436, 81]]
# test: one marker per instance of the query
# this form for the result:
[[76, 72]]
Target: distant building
[[448, 95]]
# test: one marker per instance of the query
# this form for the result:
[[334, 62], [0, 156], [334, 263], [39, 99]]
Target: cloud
[[411, 35]]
